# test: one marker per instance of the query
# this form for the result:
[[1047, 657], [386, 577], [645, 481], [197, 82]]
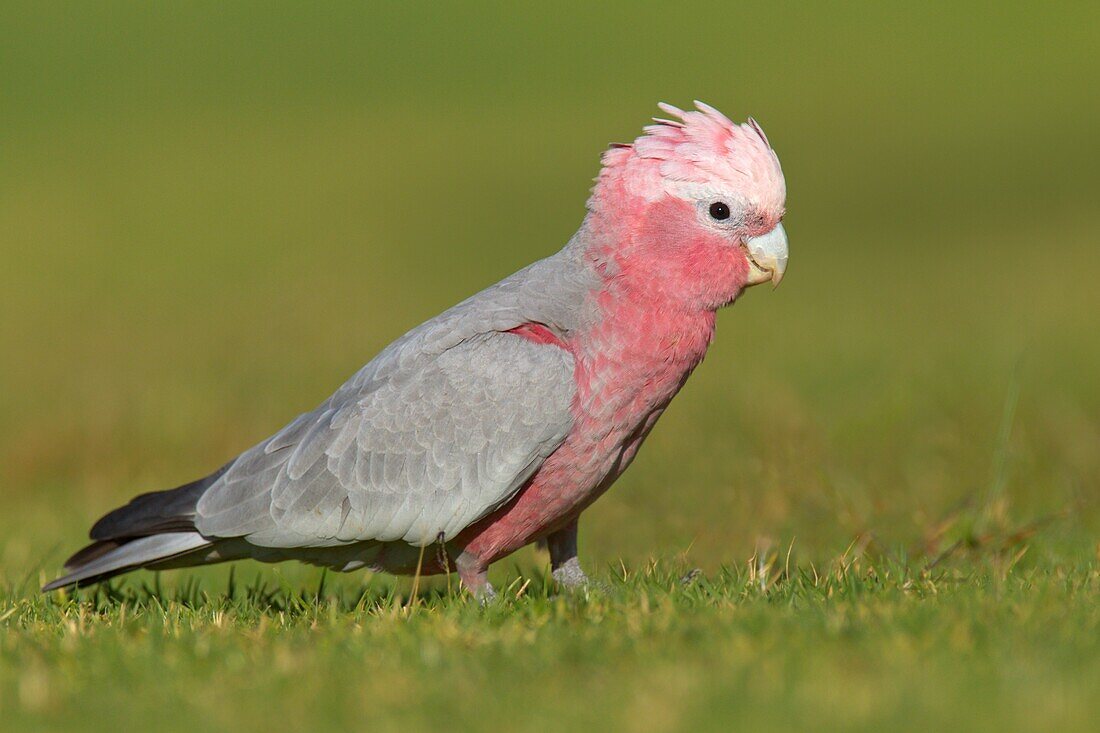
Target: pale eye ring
[[719, 211]]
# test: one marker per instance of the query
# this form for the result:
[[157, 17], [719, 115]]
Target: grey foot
[[570, 576], [485, 594], [565, 568], [474, 575]]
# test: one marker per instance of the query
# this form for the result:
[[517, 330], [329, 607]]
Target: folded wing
[[438, 442]]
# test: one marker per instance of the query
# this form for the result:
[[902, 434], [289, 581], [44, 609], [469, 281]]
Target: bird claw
[[485, 595], [570, 576]]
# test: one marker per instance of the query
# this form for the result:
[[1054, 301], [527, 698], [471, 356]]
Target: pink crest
[[704, 147]]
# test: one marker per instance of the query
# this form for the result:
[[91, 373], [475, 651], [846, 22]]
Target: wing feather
[[437, 442]]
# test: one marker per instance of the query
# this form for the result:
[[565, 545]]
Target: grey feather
[[426, 454], [157, 511], [441, 428], [134, 554]]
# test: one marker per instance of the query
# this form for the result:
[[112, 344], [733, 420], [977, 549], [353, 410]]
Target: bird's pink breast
[[627, 370]]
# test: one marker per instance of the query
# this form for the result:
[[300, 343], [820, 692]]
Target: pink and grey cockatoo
[[496, 423]]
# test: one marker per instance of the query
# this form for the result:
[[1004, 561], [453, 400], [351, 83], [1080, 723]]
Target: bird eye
[[719, 211]]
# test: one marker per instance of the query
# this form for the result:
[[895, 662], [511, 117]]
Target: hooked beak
[[767, 255]]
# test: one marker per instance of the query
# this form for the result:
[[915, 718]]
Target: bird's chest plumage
[[627, 370]]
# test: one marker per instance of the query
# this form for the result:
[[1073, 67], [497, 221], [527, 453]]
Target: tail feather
[[151, 529], [101, 560], [156, 512], [91, 552]]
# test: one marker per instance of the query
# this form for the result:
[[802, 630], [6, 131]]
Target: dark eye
[[719, 211]]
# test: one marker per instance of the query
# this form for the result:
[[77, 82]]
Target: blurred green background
[[213, 213]]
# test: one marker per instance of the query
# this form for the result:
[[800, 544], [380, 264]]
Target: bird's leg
[[475, 576], [564, 565]]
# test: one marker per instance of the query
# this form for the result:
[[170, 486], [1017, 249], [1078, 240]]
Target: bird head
[[692, 210]]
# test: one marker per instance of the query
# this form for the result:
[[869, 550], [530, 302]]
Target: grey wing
[[440, 442]]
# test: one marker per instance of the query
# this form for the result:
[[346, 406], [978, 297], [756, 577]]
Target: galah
[[498, 422]]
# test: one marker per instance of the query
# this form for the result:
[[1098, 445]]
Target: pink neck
[[641, 345]]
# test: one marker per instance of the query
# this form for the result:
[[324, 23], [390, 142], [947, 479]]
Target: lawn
[[852, 645], [886, 472]]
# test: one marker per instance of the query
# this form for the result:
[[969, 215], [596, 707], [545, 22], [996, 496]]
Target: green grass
[[849, 646], [855, 645], [211, 214]]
